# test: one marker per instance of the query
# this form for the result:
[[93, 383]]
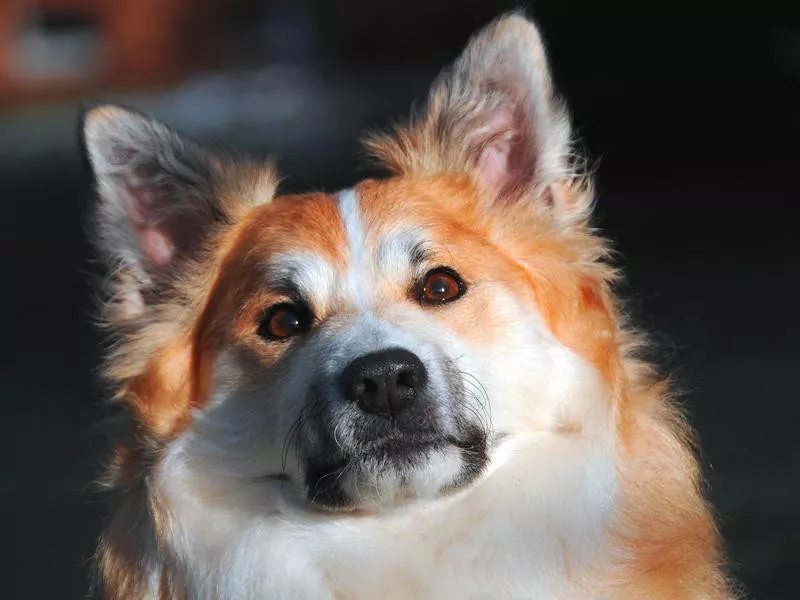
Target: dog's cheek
[[242, 430], [525, 370]]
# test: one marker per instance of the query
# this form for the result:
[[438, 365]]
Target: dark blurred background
[[691, 111]]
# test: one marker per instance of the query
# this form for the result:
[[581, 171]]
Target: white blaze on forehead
[[359, 267], [395, 258]]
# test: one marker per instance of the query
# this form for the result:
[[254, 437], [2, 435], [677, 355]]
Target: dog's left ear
[[492, 114], [161, 200]]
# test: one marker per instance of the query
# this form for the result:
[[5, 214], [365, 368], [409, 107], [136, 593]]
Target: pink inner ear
[[155, 240], [157, 246], [493, 164], [497, 159]]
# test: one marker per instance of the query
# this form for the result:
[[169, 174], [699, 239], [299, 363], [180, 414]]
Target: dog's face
[[356, 366], [368, 347], [372, 345]]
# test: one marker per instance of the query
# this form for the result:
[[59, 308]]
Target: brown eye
[[440, 286], [283, 321]]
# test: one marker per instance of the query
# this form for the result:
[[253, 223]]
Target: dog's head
[[375, 345]]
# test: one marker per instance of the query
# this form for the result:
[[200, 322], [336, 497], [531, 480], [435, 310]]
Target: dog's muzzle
[[380, 423]]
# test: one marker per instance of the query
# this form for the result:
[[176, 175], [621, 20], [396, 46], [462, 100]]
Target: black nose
[[384, 383]]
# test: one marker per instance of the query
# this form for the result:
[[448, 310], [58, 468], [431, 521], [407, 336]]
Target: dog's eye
[[440, 286], [283, 321]]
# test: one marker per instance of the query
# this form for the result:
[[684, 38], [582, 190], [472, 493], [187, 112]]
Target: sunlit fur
[[590, 488]]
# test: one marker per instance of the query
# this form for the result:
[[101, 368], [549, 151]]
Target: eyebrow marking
[[420, 253], [302, 276], [403, 254]]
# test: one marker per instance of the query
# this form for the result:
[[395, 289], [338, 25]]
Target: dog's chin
[[388, 474]]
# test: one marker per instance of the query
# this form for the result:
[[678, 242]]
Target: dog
[[420, 387]]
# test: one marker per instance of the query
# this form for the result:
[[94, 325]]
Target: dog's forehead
[[379, 230], [351, 261], [307, 223]]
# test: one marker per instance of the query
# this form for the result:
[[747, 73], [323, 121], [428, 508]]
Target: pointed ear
[[492, 114], [159, 200]]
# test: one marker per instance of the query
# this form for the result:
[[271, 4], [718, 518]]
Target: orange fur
[[667, 546], [662, 541]]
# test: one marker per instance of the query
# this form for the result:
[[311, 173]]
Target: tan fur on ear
[[493, 114]]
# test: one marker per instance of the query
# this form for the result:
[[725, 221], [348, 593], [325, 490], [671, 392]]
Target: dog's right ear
[[494, 115], [160, 200]]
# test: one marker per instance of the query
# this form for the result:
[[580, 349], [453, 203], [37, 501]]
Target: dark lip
[[401, 446], [409, 448], [399, 452]]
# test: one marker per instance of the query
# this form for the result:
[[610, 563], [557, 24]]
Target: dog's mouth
[[398, 448], [389, 471]]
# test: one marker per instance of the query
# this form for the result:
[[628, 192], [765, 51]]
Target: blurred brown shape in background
[[55, 48]]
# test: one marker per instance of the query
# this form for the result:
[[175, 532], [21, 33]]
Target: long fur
[[569, 471]]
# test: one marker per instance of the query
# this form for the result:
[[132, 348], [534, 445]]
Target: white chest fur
[[535, 517]]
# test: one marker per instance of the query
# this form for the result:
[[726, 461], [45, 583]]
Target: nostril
[[354, 388], [406, 379], [359, 389], [368, 388]]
